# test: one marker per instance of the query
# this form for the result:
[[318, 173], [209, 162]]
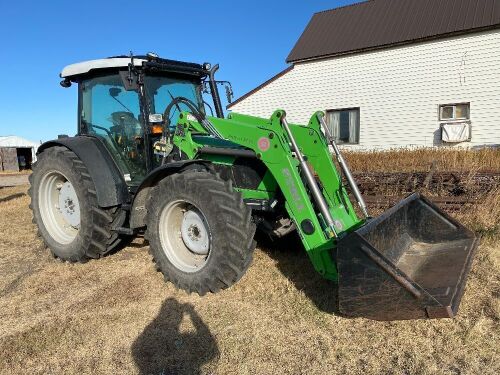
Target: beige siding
[[398, 90]]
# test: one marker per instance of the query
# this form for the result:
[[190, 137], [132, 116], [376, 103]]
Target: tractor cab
[[123, 101]]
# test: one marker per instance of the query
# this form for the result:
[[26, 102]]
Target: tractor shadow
[[295, 265], [11, 197], [167, 347]]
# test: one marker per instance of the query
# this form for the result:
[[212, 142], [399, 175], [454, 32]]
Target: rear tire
[[200, 231], [65, 209]]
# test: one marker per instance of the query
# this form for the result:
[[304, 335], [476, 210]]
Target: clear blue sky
[[249, 39]]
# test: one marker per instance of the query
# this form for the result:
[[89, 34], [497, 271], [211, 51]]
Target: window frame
[[359, 123], [454, 118]]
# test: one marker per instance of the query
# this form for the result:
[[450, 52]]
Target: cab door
[[113, 114]]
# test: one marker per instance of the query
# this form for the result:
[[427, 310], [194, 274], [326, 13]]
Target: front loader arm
[[270, 143]]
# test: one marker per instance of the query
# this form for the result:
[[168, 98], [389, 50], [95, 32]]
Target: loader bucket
[[411, 262]]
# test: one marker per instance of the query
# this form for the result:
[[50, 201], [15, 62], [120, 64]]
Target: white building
[[16, 153], [394, 73]]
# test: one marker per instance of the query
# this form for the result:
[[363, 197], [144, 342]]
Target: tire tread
[[98, 235], [233, 214]]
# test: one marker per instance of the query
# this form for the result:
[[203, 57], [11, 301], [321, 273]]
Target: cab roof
[[157, 63], [86, 66]]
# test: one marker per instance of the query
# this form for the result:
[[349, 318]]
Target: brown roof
[[381, 23]]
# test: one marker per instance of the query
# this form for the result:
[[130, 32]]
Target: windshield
[[161, 90]]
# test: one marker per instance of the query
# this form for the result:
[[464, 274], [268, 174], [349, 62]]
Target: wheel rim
[[184, 236], [59, 207]]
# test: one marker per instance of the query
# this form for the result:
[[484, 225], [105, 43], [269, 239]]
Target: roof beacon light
[[152, 55]]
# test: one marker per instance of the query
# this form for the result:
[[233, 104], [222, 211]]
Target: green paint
[[268, 139]]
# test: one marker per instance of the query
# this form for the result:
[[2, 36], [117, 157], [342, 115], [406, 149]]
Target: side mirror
[[115, 91], [65, 83]]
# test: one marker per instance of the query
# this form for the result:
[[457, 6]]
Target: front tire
[[65, 208], [200, 231]]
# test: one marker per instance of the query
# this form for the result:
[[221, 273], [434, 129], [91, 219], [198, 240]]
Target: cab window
[[162, 90]]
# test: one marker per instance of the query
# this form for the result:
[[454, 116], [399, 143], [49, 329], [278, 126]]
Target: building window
[[344, 125], [452, 112]]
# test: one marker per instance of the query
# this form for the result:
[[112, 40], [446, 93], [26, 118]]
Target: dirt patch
[[13, 179], [117, 315]]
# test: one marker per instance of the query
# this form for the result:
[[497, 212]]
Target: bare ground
[[13, 179], [116, 315]]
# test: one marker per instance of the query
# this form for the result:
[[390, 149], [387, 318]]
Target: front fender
[[138, 211], [111, 188]]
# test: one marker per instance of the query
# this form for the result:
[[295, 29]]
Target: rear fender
[[111, 188], [138, 211]]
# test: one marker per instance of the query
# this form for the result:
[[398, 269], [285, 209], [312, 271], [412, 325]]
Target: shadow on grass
[[163, 349], [10, 197], [295, 265]]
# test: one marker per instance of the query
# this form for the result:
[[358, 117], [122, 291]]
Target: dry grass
[[116, 315], [420, 160], [483, 219]]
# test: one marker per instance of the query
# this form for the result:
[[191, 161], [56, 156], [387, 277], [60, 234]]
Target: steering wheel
[[188, 103]]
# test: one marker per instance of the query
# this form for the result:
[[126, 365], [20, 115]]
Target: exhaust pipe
[[215, 92]]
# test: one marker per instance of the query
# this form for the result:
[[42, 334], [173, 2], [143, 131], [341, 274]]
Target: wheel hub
[[68, 204], [59, 207], [184, 236], [194, 232]]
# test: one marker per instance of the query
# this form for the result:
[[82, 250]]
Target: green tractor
[[147, 158]]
